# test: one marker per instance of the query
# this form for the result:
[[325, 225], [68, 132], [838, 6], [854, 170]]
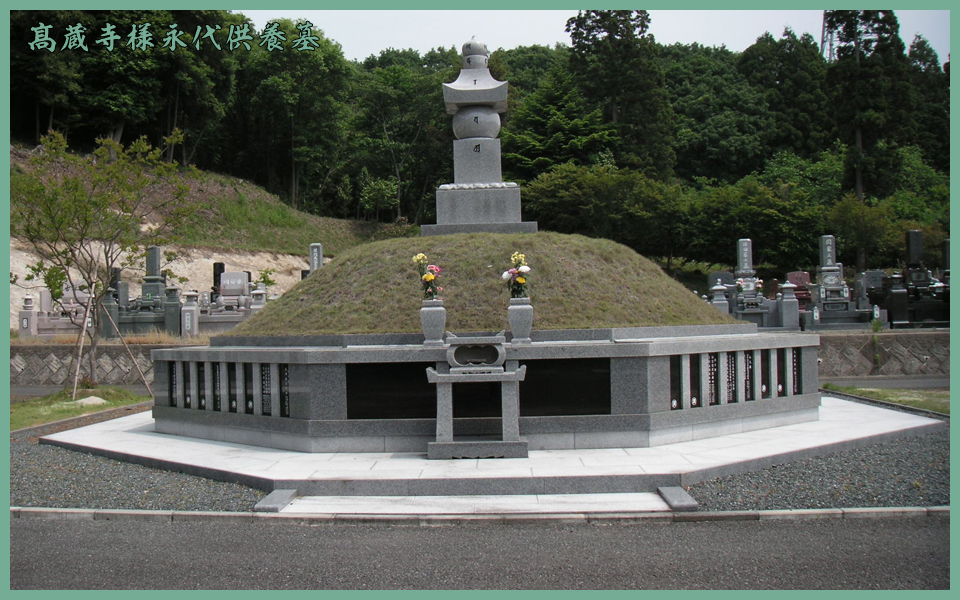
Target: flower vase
[[520, 315], [433, 322]]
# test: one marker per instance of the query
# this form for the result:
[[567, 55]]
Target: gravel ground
[[913, 471]]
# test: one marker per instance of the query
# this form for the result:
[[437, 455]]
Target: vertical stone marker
[[479, 199], [316, 256]]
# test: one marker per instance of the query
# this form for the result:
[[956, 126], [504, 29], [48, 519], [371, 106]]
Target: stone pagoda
[[478, 200]]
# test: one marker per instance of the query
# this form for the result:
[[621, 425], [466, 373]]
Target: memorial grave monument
[[298, 376], [831, 305], [478, 199], [740, 295]]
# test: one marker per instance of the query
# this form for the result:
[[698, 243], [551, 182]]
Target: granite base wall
[[660, 386], [841, 354]]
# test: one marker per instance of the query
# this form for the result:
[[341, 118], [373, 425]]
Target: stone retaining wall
[[890, 353], [846, 354], [50, 364]]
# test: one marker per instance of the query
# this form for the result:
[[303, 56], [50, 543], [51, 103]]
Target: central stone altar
[[479, 199]]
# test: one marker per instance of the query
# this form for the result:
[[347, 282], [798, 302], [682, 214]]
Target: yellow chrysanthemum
[[429, 277], [521, 280]]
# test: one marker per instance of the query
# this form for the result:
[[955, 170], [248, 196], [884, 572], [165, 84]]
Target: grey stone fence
[[842, 354], [371, 393]]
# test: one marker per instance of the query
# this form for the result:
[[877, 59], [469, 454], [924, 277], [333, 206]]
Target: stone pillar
[[639, 385], [153, 285], [190, 315], [257, 390], [177, 383], [444, 412], [685, 380], [757, 375], [208, 384], [241, 389], [740, 377], [171, 311], [224, 387], [704, 379], [789, 307], [193, 391], [774, 373], [723, 376], [28, 318], [276, 401], [510, 406]]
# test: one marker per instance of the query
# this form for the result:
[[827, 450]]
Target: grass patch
[[928, 399], [235, 214], [576, 283], [241, 216], [58, 406]]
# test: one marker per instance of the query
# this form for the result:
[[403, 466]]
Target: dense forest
[[674, 150]]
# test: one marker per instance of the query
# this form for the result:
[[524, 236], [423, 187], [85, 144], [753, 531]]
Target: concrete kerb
[[589, 518]]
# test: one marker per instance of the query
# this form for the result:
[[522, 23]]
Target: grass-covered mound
[[575, 283]]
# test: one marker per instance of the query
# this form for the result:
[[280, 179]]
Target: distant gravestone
[[316, 256], [745, 258], [914, 248], [234, 283], [828, 251]]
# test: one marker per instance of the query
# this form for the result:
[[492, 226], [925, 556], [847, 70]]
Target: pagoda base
[[482, 209]]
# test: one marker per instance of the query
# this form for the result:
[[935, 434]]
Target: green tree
[[82, 215], [723, 124], [860, 227], [44, 85], [616, 64], [871, 96], [814, 181], [376, 194], [607, 202], [399, 126], [286, 127], [932, 88], [588, 200], [524, 67], [553, 126], [791, 75]]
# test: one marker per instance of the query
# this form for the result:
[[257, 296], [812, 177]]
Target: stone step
[[478, 505]]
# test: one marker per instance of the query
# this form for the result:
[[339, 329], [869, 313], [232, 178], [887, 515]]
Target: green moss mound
[[575, 283]]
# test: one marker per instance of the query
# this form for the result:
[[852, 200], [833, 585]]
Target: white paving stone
[[840, 421]]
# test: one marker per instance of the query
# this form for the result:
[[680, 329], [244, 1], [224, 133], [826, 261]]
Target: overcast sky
[[362, 33]]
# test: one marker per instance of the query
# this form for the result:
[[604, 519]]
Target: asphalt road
[[870, 553]]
